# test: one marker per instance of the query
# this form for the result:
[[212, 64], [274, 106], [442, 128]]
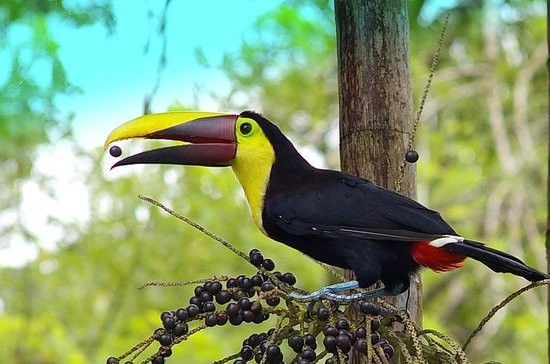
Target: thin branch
[[196, 226], [501, 305]]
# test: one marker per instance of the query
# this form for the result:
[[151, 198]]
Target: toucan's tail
[[495, 259]]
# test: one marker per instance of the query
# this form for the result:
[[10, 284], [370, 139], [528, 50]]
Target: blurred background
[[76, 242]]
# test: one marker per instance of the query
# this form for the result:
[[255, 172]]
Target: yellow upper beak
[[144, 126]]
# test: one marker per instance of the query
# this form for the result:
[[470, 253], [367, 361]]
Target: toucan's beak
[[213, 135]]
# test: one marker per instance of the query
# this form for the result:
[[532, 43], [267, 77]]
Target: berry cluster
[[305, 346], [252, 299], [216, 303], [344, 335], [256, 346], [339, 335]]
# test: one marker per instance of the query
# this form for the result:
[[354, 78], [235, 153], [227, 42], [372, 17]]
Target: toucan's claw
[[331, 293]]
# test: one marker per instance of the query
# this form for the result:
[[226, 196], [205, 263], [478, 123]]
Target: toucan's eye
[[245, 128]]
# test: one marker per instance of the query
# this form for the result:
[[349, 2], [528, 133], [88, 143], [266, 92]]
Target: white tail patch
[[446, 239]]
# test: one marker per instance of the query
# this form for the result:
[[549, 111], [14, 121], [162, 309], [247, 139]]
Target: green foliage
[[287, 70], [482, 142], [79, 303], [33, 77]]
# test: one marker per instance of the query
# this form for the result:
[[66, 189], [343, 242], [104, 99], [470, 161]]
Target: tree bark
[[376, 113]]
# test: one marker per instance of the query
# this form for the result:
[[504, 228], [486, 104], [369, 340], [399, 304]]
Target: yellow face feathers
[[252, 164]]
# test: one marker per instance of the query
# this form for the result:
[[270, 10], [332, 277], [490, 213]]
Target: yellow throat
[[252, 165]]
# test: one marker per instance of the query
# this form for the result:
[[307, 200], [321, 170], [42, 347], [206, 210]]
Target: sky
[[114, 74]]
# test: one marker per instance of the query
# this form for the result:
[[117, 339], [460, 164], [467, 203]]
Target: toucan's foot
[[331, 293]]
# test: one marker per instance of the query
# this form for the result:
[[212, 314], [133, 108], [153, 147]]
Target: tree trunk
[[375, 101]]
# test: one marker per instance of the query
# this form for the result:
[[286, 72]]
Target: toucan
[[336, 218]]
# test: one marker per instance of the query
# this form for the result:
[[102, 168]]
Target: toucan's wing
[[338, 205]]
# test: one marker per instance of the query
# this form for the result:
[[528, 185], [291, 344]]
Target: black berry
[[211, 320], [168, 322], [273, 301], [209, 307], [274, 354], [361, 346], [255, 340], [289, 278], [239, 279], [115, 151], [222, 318], [309, 355], [370, 308], [195, 300], [244, 303], [193, 310], [180, 329], [412, 156], [268, 264], [330, 343], [323, 313], [165, 340], [248, 316], [231, 282], [296, 343], [343, 342], [247, 352], [215, 287], [257, 280], [260, 317], [330, 331], [361, 332], [267, 286], [236, 320], [222, 297], [198, 290], [206, 296], [256, 259], [309, 340], [342, 324], [247, 284], [232, 309], [182, 314]]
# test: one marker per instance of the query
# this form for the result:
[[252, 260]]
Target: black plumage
[[348, 222]]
